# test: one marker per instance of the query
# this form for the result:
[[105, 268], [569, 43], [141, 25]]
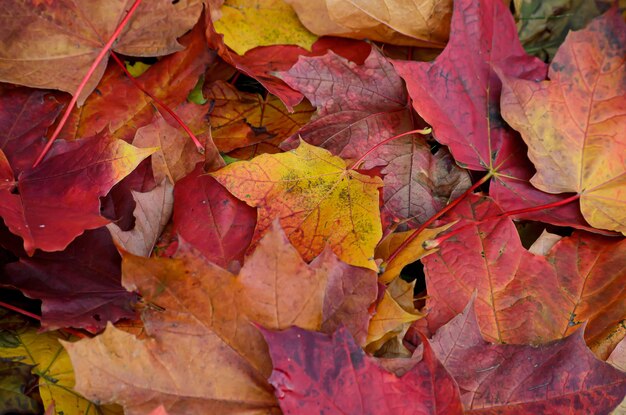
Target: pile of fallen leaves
[[312, 207]]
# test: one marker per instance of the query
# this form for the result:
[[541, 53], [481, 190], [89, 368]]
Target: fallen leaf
[[591, 270], [393, 315], [177, 154], [159, 411], [518, 294], [358, 106], [206, 311], [460, 98], [119, 205], [318, 200], [618, 356], [211, 219], [544, 243], [79, 287], [240, 119], [318, 373], [412, 252], [53, 367], [349, 294], [578, 148], [170, 80], [553, 378], [542, 26], [401, 22], [618, 359], [55, 202], [258, 65], [262, 62], [152, 213], [52, 45], [418, 184], [521, 297], [247, 24], [15, 381], [25, 115]]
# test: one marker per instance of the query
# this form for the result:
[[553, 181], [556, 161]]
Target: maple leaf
[[211, 219], [15, 380], [176, 156], [53, 45], [349, 294], [418, 184], [318, 373], [573, 123], [460, 98], [79, 287], [394, 313], [53, 203], [318, 200], [25, 115], [358, 106], [553, 378], [152, 214], [240, 119], [399, 22], [523, 297], [246, 25], [262, 62], [52, 365], [542, 26], [206, 311], [414, 251], [119, 205], [170, 80]]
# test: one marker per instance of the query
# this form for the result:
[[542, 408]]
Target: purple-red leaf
[[459, 95], [80, 286], [58, 200], [358, 106], [210, 218], [562, 377], [315, 373]]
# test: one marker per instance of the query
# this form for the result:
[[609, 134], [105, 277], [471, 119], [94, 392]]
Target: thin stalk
[[82, 84], [385, 141], [437, 215], [36, 317], [434, 243], [160, 103], [19, 310]]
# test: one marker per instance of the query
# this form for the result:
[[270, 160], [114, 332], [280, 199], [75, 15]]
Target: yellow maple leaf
[[54, 369], [318, 200], [574, 123], [247, 24]]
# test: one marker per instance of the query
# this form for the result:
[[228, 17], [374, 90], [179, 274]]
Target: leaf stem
[[385, 141], [160, 103], [437, 215], [38, 318], [19, 310], [82, 84], [434, 243]]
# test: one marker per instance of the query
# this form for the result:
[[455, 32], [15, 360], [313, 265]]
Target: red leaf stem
[[160, 103], [387, 140], [437, 215], [82, 84], [38, 318], [434, 243]]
